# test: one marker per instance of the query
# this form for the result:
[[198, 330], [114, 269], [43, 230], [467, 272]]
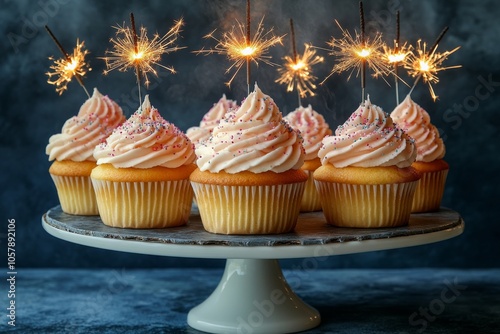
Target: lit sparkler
[[137, 51], [396, 56], [241, 48], [355, 52], [296, 73], [64, 69], [426, 64]]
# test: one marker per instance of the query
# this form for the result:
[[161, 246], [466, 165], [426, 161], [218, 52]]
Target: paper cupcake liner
[[310, 199], [144, 204], [429, 192], [366, 206], [76, 194], [266, 209]]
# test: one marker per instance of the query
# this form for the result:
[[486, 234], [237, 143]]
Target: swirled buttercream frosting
[[210, 120], [312, 127], [369, 138], [252, 138], [97, 118], [416, 122], [146, 140]]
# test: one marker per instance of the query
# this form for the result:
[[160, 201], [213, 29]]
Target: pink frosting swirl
[[369, 138], [95, 121], [312, 127], [252, 138], [211, 120], [146, 140], [416, 122]]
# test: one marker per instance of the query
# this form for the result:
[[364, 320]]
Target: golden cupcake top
[[210, 120], [96, 120], [312, 127], [416, 122], [369, 138], [146, 140], [252, 138]]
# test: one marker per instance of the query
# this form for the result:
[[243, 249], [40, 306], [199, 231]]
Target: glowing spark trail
[[137, 51], [296, 73], [352, 53], [426, 64], [64, 69], [240, 49]]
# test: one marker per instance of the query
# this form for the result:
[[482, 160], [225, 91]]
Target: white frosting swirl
[[198, 134], [369, 138], [211, 119], [97, 118], [416, 122], [312, 127], [146, 140], [252, 138]]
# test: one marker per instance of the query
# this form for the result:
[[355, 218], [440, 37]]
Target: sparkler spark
[[428, 65], [140, 52], [396, 57], [352, 52], [238, 50], [297, 74], [64, 69]]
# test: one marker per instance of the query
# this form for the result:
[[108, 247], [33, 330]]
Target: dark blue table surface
[[350, 301]]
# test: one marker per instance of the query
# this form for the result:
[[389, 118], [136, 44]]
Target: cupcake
[[72, 149], [211, 119], [313, 129], [141, 180], [366, 179], [415, 121], [248, 179]]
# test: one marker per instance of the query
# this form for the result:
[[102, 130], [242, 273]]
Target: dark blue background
[[467, 111]]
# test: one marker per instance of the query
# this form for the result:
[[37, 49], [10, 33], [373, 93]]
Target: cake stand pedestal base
[[253, 297]]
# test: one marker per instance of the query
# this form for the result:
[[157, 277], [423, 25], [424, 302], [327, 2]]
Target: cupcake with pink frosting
[[313, 129], [248, 179], [415, 121], [72, 152], [210, 120], [366, 179], [142, 177]]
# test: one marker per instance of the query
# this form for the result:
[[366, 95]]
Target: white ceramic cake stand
[[253, 295]]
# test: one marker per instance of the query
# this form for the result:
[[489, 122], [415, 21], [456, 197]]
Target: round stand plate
[[253, 296]]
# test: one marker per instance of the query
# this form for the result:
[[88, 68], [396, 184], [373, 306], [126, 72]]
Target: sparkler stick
[[68, 67], [248, 42], [136, 52], [294, 53], [294, 46], [363, 45], [438, 40], [396, 51]]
